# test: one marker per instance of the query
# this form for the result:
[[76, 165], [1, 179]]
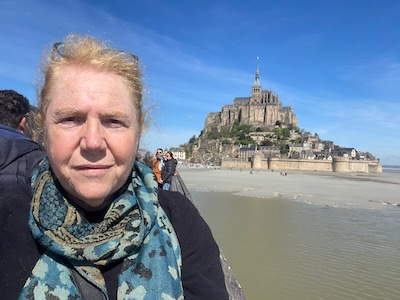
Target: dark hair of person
[[13, 107]]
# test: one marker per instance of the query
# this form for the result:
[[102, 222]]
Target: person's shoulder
[[176, 204], [184, 216], [11, 133], [152, 161], [35, 157], [173, 198], [22, 154]]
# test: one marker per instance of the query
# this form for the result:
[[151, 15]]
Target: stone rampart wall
[[235, 163], [338, 164], [263, 164], [375, 167], [344, 164], [299, 164]]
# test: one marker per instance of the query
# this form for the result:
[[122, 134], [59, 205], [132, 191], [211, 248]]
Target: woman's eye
[[113, 123], [72, 120]]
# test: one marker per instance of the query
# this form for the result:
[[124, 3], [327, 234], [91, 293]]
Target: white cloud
[[381, 72]]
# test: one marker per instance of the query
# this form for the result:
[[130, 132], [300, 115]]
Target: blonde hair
[[88, 51]]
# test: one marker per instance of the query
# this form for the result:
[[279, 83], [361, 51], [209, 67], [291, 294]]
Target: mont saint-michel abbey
[[261, 109], [258, 132]]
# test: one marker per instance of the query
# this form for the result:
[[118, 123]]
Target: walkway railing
[[234, 289]]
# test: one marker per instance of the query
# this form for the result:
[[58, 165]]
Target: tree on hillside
[[266, 143], [192, 139], [285, 132]]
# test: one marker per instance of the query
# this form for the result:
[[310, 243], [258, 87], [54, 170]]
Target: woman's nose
[[93, 136]]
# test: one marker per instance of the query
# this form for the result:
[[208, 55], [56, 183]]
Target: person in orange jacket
[[157, 163]]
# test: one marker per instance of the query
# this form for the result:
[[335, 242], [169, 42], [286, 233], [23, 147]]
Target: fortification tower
[[256, 90]]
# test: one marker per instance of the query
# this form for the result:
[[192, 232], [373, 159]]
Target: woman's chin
[[91, 203]]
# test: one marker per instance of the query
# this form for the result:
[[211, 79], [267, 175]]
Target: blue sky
[[336, 62]]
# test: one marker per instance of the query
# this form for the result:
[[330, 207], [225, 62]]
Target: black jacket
[[18, 157], [168, 170]]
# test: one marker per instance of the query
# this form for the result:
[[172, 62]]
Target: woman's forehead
[[90, 92], [82, 80]]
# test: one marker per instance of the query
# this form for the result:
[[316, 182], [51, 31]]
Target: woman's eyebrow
[[72, 110], [115, 114], [66, 111]]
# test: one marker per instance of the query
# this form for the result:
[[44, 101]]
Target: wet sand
[[354, 190]]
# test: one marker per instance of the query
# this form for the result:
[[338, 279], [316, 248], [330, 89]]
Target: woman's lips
[[93, 170]]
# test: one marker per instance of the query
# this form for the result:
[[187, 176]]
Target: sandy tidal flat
[[370, 191]]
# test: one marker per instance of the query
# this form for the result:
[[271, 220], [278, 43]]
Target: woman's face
[[91, 133]]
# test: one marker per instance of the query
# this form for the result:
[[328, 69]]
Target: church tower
[[256, 90]]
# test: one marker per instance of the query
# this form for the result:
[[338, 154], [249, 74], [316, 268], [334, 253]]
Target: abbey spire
[[257, 80], [256, 90]]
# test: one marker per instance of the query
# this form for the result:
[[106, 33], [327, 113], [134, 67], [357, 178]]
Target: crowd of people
[[82, 218]]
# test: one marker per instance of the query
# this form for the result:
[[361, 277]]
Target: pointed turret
[[257, 79], [256, 90]]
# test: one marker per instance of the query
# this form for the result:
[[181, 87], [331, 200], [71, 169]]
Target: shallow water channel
[[281, 249]]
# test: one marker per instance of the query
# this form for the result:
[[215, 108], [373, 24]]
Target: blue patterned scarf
[[135, 230]]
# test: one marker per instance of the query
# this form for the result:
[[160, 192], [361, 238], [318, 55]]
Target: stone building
[[261, 109], [178, 153]]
